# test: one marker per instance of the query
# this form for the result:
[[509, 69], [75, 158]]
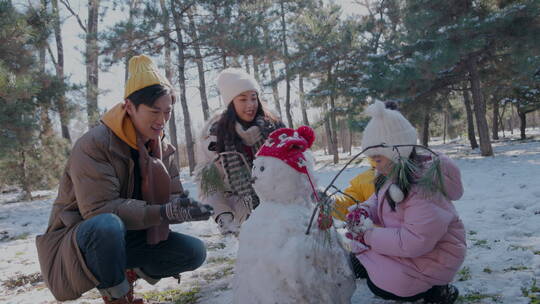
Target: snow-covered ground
[[500, 209]]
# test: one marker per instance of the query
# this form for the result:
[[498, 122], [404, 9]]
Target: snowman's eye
[[262, 168]]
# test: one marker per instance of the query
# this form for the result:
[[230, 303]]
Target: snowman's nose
[[253, 179]]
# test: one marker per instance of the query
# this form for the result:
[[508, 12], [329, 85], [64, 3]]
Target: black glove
[[184, 209]]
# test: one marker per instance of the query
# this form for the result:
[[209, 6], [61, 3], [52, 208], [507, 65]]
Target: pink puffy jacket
[[419, 245]]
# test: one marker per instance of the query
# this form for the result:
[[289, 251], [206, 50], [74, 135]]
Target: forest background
[[456, 68]]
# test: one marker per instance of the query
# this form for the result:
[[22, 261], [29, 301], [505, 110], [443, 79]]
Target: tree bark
[[133, 7], [169, 74], [425, 127], [46, 124], [62, 109], [92, 72], [256, 69], [275, 92], [200, 65], [522, 124], [333, 125], [501, 119], [26, 185], [495, 123], [479, 108], [328, 132], [445, 123], [470, 119], [223, 59], [246, 62], [178, 17], [302, 100], [286, 62]]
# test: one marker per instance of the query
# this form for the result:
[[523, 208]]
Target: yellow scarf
[[117, 119]]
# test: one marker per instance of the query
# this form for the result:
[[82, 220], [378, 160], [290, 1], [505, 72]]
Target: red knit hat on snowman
[[288, 145]]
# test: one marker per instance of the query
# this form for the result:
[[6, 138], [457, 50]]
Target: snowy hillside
[[500, 209]]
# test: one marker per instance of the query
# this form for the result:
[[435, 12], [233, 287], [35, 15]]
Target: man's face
[[150, 121]]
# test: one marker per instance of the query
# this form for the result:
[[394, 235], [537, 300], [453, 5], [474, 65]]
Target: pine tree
[[26, 158]]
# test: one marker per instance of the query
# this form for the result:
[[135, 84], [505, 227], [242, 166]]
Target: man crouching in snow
[[118, 194]]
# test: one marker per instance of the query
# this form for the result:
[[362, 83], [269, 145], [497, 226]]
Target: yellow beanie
[[143, 73]]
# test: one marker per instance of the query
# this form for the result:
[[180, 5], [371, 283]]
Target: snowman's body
[[277, 262]]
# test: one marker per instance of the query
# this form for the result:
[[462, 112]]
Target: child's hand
[[358, 247], [358, 221]]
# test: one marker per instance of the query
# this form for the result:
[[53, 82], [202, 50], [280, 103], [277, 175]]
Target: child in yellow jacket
[[361, 188]]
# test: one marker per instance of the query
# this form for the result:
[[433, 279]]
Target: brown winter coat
[[98, 178]]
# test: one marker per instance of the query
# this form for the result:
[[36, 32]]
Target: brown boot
[[122, 300], [131, 277]]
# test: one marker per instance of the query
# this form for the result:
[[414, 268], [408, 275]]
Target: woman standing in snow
[[227, 147], [419, 243]]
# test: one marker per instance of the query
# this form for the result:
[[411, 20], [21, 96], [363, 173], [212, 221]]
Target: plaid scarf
[[237, 164]]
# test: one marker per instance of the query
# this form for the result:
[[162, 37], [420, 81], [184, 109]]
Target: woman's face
[[246, 105], [382, 164]]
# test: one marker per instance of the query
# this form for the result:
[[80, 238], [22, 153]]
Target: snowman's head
[[283, 167], [275, 180]]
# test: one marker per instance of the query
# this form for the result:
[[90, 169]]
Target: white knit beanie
[[388, 127], [232, 82]]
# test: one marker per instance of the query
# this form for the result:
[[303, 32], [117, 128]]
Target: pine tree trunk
[[61, 102], [92, 67], [223, 59], [445, 124], [333, 125], [501, 119], [275, 92], [350, 141], [425, 127], [286, 62], [25, 183], [512, 120], [479, 109], [302, 100], [495, 123], [246, 61], [470, 119], [522, 124], [46, 124], [169, 75], [200, 65], [178, 17], [328, 132], [130, 49], [256, 72]]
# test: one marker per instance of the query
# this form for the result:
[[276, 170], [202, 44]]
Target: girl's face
[[383, 164], [246, 105]]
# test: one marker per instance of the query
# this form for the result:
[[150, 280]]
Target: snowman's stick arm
[[383, 145], [334, 179], [346, 194]]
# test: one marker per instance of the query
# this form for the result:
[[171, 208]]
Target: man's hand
[[184, 209]]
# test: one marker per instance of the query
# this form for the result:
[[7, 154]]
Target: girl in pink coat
[[418, 243]]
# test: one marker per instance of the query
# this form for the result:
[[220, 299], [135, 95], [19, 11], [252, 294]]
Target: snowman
[[277, 262]]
